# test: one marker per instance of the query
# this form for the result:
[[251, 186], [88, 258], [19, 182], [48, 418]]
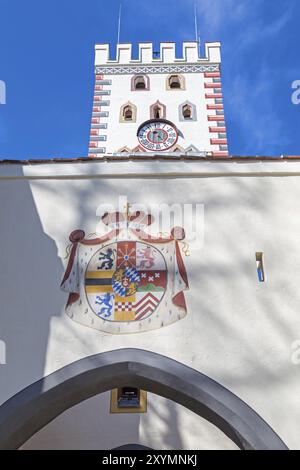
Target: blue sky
[[47, 54]]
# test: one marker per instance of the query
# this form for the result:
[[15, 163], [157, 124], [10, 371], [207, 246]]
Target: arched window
[[175, 82], [128, 113], [187, 111], [140, 82], [157, 110]]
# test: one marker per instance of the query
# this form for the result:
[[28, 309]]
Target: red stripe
[[145, 304], [214, 106], [215, 118], [213, 85], [148, 305], [220, 154], [212, 74], [214, 96], [217, 129], [147, 298], [143, 314], [218, 141]]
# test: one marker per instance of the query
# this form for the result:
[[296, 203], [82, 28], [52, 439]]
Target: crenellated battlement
[[167, 54]]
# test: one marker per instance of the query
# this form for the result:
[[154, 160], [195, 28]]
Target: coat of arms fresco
[[126, 281]]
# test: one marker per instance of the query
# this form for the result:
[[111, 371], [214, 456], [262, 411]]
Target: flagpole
[[197, 36], [119, 23], [196, 21]]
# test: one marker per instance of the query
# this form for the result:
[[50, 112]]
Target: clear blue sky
[[47, 53]]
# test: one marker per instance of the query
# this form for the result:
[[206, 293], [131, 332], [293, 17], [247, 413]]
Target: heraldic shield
[[126, 281]]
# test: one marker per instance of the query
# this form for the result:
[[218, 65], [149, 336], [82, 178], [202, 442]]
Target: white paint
[[167, 54], [237, 331]]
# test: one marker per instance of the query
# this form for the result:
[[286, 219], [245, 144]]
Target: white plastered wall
[[191, 132], [237, 331]]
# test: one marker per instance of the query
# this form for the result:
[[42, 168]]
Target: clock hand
[[160, 137], [156, 137]]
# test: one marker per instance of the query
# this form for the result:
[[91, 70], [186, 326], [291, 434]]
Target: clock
[[157, 135]]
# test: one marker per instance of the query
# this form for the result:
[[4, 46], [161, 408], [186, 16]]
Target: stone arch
[[31, 409], [132, 447]]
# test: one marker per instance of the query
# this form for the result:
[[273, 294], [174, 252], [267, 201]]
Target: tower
[[159, 104]]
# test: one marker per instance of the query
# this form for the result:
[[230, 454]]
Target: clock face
[[157, 135]]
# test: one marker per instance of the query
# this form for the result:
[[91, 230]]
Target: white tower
[[158, 104]]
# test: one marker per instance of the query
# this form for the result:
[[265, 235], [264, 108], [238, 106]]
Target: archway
[[31, 409], [132, 447]]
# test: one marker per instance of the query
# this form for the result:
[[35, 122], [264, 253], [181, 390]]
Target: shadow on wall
[[164, 413], [30, 273], [90, 426], [87, 426]]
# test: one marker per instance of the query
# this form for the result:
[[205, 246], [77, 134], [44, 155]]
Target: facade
[[149, 295], [186, 91]]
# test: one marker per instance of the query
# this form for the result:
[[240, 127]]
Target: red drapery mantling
[[76, 237], [179, 298]]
